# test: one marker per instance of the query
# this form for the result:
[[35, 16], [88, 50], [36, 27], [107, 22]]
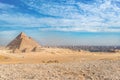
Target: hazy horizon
[[57, 38], [61, 22]]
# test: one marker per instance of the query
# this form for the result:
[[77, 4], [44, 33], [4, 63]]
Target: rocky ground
[[59, 64], [90, 70]]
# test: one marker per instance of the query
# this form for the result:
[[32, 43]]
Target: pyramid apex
[[22, 34]]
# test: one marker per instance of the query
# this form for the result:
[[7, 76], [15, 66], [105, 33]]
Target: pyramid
[[23, 43]]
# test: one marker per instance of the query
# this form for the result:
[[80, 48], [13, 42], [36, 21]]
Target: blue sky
[[61, 22]]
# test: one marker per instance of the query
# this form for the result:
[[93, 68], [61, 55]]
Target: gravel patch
[[90, 70]]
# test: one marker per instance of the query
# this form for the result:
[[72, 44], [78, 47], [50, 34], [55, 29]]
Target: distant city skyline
[[61, 22]]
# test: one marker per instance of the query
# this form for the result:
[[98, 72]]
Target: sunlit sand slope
[[59, 64], [54, 55]]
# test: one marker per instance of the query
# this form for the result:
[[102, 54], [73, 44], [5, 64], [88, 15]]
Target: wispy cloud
[[95, 16], [5, 6]]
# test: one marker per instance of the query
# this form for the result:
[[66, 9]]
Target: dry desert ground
[[59, 64]]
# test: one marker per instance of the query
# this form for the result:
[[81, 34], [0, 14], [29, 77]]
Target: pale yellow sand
[[59, 64], [54, 55]]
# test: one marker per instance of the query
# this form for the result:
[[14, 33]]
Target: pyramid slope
[[22, 43]]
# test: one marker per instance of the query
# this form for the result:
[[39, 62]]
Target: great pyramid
[[23, 43]]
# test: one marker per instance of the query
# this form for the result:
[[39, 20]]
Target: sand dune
[[59, 64], [51, 55]]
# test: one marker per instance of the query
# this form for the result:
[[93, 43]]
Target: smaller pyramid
[[23, 43]]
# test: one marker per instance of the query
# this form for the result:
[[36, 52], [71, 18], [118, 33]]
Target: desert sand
[[59, 64]]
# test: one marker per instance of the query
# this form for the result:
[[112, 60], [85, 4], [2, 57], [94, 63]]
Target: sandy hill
[[23, 43]]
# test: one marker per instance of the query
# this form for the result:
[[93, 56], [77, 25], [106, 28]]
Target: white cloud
[[97, 17], [5, 6], [8, 32]]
